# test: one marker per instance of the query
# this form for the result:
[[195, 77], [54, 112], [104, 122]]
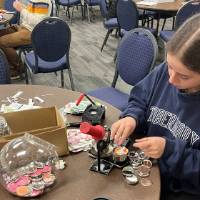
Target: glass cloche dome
[[27, 166]]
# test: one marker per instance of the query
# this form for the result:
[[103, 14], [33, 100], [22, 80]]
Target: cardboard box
[[46, 123]]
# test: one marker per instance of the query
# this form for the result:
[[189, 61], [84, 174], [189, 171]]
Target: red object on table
[[97, 132], [80, 99]]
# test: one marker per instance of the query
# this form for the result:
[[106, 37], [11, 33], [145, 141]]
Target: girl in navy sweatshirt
[[166, 106]]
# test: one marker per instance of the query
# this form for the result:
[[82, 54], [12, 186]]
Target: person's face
[[180, 76]]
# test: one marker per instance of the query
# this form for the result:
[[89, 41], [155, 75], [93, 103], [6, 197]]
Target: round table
[[170, 8], [164, 7], [76, 181]]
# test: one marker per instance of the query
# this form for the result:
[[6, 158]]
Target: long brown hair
[[185, 43]]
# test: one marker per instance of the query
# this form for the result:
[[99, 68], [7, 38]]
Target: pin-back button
[[36, 178], [133, 155], [12, 187], [143, 171], [147, 163], [39, 165], [142, 156], [120, 154], [40, 185], [46, 168], [36, 174], [23, 191], [128, 171], [35, 193], [132, 180], [135, 163], [24, 180], [48, 179]]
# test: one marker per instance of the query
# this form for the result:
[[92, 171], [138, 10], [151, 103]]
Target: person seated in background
[[31, 13], [165, 106]]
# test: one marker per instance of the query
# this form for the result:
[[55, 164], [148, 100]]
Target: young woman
[[165, 105]]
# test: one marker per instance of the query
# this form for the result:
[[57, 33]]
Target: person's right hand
[[121, 129]]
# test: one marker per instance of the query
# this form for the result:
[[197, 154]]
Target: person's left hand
[[151, 146], [18, 5]]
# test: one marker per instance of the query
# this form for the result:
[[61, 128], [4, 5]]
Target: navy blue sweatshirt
[[162, 110]]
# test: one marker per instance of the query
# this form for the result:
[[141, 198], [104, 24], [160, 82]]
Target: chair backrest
[[4, 69], [186, 11], [51, 39], [8, 5], [103, 8], [127, 14], [136, 55]]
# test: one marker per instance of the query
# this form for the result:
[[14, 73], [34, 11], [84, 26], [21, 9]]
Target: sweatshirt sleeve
[[183, 162], [141, 94]]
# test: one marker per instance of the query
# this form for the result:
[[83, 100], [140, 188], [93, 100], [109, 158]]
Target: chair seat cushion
[[92, 2], [112, 96], [153, 31], [43, 66], [111, 23], [166, 35], [69, 2]]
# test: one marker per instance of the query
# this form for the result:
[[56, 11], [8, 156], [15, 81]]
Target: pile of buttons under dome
[[27, 166]]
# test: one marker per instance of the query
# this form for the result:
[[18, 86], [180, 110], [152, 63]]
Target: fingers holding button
[[122, 129]]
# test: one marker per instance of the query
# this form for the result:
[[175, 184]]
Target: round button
[[147, 163], [132, 180], [128, 171], [143, 171]]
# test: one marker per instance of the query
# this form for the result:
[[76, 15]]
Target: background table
[[164, 7], [76, 182], [169, 8], [6, 18]]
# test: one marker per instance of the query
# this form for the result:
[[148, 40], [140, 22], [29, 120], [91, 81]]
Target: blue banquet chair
[[4, 69], [69, 4], [185, 12], [50, 49], [128, 16], [8, 5], [136, 55], [89, 4], [23, 49], [110, 24]]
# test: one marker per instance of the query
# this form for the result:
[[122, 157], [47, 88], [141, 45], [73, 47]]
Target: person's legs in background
[[11, 38]]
